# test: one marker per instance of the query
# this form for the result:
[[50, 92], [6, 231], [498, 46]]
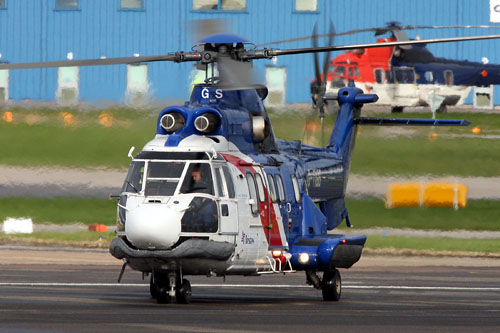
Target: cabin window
[[379, 75], [162, 178], [296, 188], [429, 77], [229, 182], [404, 75], [353, 72], [201, 216], [272, 188], [219, 4], [281, 188], [198, 179], [260, 188], [389, 77], [306, 5], [448, 77], [220, 184], [134, 179], [254, 206]]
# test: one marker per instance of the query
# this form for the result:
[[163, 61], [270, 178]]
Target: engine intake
[[207, 123], [172, 122]]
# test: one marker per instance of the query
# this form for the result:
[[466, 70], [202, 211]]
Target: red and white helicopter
[[216, 193], [409, 75]]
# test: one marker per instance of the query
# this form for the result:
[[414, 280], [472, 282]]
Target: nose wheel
[[331, 285], [165, 287]]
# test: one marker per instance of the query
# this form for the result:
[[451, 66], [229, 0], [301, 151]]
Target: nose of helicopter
[[153, 226]]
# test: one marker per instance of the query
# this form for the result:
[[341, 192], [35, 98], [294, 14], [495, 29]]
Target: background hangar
[[48, 30]]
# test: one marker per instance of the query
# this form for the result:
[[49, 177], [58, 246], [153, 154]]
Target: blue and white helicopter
[[216, 193]]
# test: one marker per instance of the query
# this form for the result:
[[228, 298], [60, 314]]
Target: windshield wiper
[[129, 183]]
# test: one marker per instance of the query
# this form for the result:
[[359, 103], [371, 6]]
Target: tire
[[397, 109], [183, 293], [331, 286], [161, 289], [152, 287]]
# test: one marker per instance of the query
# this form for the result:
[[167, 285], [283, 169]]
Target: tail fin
[[343, 136]]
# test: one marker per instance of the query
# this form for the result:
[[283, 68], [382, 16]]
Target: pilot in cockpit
[[202, 213], [198, 182]]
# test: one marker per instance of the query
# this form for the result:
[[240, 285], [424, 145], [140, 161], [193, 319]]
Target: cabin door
[[228, 207]]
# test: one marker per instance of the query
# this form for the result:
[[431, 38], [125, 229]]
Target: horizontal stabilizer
[[410, 122]]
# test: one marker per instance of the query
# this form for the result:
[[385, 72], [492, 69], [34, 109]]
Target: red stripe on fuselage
[[271, 228]]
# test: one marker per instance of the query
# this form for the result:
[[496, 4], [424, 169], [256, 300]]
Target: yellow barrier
[[427, 194]]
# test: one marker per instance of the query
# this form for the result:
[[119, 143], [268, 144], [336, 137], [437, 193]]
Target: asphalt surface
[[75, 290]]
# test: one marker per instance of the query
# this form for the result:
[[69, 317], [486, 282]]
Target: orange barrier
[[98, 227], [426, 194]]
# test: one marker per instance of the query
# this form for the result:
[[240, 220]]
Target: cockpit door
[[228, 208]]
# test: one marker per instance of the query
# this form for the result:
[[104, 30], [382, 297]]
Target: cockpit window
[[340, 70], [162, 178], [133, 181], [201, 216], [198, 179]]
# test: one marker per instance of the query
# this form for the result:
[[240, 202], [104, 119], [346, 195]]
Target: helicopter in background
[[216, 193], [409, 75]]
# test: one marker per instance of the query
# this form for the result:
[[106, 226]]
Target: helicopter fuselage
[[266, 205]]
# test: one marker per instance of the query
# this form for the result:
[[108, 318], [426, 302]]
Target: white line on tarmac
[[56, 284]]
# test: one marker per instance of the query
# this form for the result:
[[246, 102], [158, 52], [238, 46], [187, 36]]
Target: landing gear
[[183, 294], [331, 285], [164, 287], [397, 109]]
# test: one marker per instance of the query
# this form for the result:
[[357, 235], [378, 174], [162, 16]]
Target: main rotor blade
[[327, 57], [178, 57], [315, 55], [404, 27], [278, 52]]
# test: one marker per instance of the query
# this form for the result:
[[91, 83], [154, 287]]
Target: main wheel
[[152, 287], [161, 288], [183, 293], [331, 285], [397, 109]]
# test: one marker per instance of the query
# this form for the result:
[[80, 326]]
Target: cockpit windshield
[[133, 181], [163, 177]]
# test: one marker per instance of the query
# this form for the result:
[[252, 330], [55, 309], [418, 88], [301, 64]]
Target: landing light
[[303, 258], [276, 253]]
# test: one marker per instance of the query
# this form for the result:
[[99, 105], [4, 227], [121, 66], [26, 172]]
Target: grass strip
[[61, 210], [439, 244], [395, 245], [477, 215], [40, 137], [73, 239], [368, 212]]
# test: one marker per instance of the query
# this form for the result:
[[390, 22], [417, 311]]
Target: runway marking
[[57, 284]]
